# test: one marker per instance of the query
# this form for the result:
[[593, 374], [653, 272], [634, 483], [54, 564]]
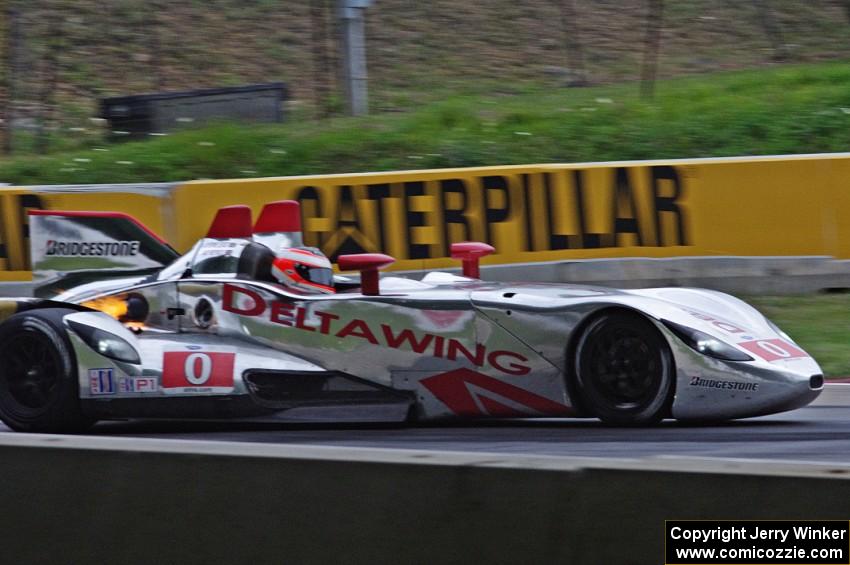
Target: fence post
[[351, 13]]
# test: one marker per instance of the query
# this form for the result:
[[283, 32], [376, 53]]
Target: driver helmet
[[305, 269]]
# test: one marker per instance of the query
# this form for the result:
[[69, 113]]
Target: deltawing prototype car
[[122, 326]]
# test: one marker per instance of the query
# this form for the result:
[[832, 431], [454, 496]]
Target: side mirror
[[471, 252], [368, 264]]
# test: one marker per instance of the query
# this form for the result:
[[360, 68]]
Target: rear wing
[[68, 249], [279, 225]]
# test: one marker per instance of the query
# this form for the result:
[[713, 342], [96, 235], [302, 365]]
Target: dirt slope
[[416, 50]]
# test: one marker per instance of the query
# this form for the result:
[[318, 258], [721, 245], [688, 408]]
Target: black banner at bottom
[[757, 542]]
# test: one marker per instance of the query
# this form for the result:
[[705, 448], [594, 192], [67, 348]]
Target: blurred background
[[128, 91], [449, 83]]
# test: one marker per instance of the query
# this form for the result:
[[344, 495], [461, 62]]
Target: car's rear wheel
[[624, 370], [38, 375]]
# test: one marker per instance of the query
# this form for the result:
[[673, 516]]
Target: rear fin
[[220, 250], [231, 222], [68, 249], [279, 225]]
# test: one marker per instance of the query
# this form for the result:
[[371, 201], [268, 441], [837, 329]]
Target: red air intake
[[471, 252], [231, 222], [368, 264], [283, 216]]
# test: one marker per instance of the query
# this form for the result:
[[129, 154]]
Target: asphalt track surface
[[811, 434]]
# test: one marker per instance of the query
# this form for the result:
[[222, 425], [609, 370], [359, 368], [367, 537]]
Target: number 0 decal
[[197, 372], [198, 368], [773, 349]]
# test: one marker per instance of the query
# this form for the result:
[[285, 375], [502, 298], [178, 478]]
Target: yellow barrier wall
[[775, 206], [769, 206]]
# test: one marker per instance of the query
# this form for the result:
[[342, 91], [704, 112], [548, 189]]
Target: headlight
[[706, 344], [105, 343]]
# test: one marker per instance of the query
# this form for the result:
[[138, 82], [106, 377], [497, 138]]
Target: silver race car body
[[211, 334]]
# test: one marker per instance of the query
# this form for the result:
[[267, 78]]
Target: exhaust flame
[[111, 305], [118, 308], [135, 327]]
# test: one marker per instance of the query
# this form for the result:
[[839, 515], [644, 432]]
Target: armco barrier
[[106, 500], [764, 209]]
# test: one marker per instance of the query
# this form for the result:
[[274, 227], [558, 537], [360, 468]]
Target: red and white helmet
[[305, 269]]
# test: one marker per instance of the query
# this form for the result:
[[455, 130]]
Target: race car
[[250, 324]]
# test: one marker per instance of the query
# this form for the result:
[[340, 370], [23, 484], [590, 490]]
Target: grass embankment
[[793, 109], [819, 323]]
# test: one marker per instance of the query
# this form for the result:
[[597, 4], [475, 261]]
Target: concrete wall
[[739, 275], [104, 500]]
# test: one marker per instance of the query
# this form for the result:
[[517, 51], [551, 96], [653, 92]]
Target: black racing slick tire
[[39, 391], [624, 370]]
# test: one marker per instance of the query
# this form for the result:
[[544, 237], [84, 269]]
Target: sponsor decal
[[545, 211], [724, 326], [768, 349], [198, 372], [58, 248], [219, 244], [245, 302], [219, 248], [138, 384], [445, 320], [469, 393], [773, 349], [723, 385], [101, 381]]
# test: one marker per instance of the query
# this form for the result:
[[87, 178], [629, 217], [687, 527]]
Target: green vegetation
[[819, 323], [790, 109]]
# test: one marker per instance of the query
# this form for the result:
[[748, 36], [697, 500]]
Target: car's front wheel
[[623, 369], [38, 375]]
